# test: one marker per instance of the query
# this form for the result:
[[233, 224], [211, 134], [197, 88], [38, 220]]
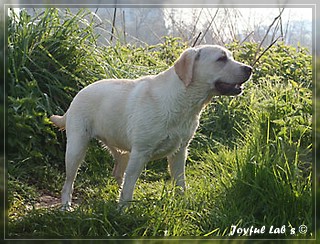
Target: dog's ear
[[184, 65]]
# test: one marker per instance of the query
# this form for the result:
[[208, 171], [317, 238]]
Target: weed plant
[[250, 163]]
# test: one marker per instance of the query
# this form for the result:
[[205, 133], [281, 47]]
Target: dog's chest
[[174, 137]]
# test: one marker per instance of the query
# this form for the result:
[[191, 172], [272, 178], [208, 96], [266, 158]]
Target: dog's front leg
[[135, 166], [177, 166]]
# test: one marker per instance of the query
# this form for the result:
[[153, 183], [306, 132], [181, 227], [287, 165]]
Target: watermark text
[[273, 230]]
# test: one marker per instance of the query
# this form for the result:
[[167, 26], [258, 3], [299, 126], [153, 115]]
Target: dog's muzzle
[[233, 89]]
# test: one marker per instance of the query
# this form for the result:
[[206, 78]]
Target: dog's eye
[[223, 58]]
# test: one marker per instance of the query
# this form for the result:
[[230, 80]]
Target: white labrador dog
[[148, 118]]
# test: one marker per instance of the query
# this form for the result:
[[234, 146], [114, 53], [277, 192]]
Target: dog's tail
[[59, 121]]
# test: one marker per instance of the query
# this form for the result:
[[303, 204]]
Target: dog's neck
[[186, 99]]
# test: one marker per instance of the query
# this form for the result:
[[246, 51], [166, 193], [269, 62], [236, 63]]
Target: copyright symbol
[[303, 229]]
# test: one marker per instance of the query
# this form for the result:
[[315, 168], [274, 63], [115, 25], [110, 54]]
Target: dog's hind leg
[[77, 144], [121, 159]]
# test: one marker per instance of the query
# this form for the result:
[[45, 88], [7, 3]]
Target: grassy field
[[250, 163]]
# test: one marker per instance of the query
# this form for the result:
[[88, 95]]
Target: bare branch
[[124, 27], [208, 27], [270, 26], [195, 42], [113, 24], [244, 39], [264, 51], [265, 36], [196, 23]]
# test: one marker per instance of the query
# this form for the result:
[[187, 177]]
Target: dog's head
[[214, 66]]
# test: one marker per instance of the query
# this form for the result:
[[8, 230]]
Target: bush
[[288, 100]]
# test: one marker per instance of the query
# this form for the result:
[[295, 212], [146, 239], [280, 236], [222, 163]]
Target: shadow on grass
[[102, 220]]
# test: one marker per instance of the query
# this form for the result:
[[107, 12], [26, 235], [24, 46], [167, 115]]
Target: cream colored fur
[[148, 118]]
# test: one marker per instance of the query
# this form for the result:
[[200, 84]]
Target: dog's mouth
[[228, 88], [233, 89]]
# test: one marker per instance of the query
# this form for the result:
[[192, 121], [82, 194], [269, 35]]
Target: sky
[[261, 16], [265, 15]]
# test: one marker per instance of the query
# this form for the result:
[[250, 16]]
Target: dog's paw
[[179, 190], [66, 208], [123, 206]]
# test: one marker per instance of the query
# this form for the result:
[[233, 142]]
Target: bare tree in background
[[224, 25], [196, 26]]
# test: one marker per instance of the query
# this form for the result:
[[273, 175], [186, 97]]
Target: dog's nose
[[247, 69]]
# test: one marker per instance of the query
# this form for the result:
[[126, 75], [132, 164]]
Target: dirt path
[[47, 201]]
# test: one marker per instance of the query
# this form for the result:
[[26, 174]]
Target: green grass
[[250, 163]]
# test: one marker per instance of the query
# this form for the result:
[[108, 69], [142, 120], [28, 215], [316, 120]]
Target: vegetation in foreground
[[250, 163]]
